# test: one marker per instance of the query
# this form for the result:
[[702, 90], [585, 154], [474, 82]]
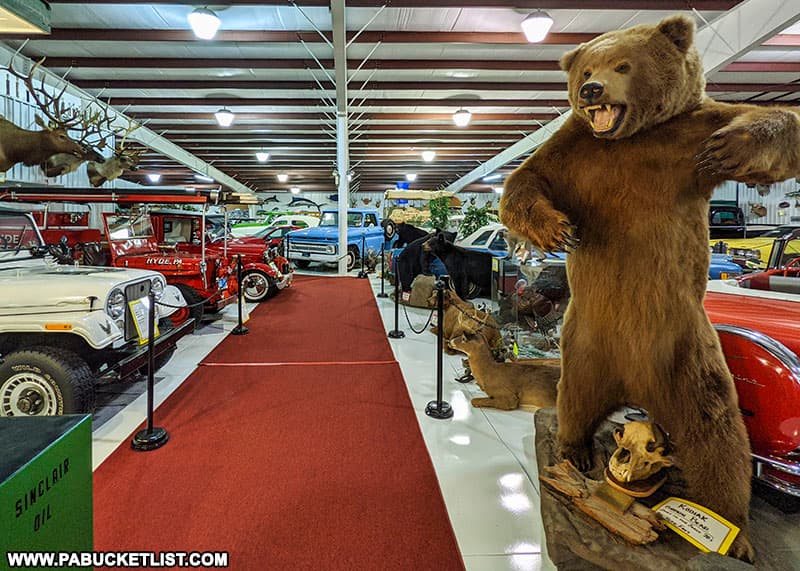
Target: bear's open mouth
[[605, 118]]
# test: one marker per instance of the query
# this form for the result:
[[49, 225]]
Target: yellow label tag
[[515, 349], [495, 265], [698, 525], [140, 310]]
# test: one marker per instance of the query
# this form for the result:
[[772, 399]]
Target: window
[[499, 243], [372, 220], [17, 233], [483, 238], [332, 219], [178, 230]]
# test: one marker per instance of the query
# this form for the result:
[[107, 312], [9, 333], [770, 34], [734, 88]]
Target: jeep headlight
[[115, 305], [157, 287]]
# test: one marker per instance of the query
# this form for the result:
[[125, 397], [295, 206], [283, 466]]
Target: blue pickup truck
[[320, 244]]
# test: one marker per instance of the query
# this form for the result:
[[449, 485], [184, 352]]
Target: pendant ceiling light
[[204, 23], [428, 156], [262, 156], [225, 117], [295, 190], [411, 177], [154, 177], [283, 177], [536, 26], [462, 117]]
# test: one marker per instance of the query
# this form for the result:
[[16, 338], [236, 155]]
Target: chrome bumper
[[784, 465]]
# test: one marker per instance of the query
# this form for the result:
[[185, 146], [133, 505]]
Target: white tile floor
[[483, 458]]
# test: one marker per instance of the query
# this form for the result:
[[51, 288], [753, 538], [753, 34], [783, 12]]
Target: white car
[[65, 327], [249, 228], [490, 238]]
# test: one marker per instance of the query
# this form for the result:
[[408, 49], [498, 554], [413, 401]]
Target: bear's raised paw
[[552, 233]]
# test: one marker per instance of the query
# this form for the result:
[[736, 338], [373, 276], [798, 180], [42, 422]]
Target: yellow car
[[751, 253]]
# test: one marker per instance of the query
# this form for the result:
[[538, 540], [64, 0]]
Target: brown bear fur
[[509, 385], [636, 200]]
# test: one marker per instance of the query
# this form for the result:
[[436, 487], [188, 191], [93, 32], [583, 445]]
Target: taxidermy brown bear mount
[[629, 177]]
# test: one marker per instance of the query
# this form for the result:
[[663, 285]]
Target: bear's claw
[[580, 456], [742, 549]]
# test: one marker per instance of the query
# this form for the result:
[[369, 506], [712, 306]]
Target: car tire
[[389, 229], [192, 297], [352, 257], [45, 381], [302, 264], [260, 286]]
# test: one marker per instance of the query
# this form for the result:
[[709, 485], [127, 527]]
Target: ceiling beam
[[315, 102], [750, 23], [372, 116], [714, 5], [309, 37], [266, 85]]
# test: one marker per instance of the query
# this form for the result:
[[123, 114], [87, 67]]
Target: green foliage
[[440, 212], [474, 218]]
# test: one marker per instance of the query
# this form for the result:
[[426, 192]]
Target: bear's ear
[[568, 58], [679, 30]]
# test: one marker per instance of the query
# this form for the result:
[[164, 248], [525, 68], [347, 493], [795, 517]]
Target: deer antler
[[60, 115]]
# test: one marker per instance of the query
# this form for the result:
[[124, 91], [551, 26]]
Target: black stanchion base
[[382, 295], [439, 410], [396, 334], [149, 439], [240, 330], [362, 274]]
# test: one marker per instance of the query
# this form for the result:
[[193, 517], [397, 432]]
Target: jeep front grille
[[133, 292]]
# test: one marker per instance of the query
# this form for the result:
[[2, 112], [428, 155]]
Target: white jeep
[[65, 327]]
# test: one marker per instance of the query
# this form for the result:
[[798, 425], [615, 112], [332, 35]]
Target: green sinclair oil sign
[[45, 484]]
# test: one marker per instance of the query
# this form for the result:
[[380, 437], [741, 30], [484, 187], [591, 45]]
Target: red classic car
[[760, 336], [264, 271]]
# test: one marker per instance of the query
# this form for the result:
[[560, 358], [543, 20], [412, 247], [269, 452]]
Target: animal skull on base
[[642, 449]]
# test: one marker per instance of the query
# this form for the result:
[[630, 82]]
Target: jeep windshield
[[332, 219], [125, 227], [18, 234]]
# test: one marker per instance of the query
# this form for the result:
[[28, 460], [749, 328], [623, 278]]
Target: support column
[[342, 143]]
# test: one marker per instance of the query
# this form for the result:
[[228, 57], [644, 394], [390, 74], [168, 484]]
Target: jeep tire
[[302, 264], [257, 286], [196, 311], [45, 381]]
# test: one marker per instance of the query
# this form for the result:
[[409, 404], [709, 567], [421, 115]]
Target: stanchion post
[[438, 408], [396, 333], [363, 273], [383, 270], [240, 329], [151, 437]]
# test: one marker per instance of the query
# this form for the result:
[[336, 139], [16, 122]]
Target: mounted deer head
[[18, 145], [124, 159], [91, 125]]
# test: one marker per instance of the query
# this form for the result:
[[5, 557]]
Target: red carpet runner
[[287, 467]]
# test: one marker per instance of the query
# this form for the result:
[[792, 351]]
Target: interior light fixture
[[350, 176], [536, 26], [283, 177], [498, 189], [203, 178], [492, 177], [462, 117], [204, 23], [225, 117], [153, 177], [295, 190], [262, 156], [411, 177], [428, 156]]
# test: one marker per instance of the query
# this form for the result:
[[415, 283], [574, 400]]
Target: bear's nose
[[591, 90]]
